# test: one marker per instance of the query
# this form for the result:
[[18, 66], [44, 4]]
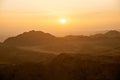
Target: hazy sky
[[17, 16]]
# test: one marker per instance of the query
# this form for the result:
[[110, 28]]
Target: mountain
[[30, 38], [45, 42], [113, 33], [109, 34]]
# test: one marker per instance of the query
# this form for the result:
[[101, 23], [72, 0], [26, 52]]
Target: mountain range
[[36, 55], [46, 42]]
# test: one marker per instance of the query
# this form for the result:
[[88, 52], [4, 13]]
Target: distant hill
[[113, 33], [40, 41], [109, 34]]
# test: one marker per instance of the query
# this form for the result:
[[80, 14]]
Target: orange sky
[[17, 16]]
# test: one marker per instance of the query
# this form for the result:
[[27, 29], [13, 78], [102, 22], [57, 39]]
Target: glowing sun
[[63, 20]]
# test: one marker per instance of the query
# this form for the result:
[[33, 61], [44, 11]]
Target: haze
[[17, 16]]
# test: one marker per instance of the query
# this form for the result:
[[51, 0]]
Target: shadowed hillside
[[12, 55], [65, 67]]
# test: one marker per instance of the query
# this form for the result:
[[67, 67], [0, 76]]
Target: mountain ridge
[[41, 41]]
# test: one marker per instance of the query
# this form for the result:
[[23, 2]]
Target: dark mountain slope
[[66, 67], [15, 55]]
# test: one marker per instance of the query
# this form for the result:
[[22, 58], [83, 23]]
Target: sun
[[63, 20]]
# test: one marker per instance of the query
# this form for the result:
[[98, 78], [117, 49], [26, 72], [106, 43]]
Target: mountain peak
[[33, 32], [30, 38], [113, 33]]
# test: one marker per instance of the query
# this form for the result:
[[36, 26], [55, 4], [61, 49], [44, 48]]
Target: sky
[[82, 16]]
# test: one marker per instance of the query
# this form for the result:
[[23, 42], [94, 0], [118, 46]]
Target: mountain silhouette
[[30, 38], [113, 33], [40, 41]]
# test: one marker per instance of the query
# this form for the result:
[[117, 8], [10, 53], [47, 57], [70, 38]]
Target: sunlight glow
[[63, 20]]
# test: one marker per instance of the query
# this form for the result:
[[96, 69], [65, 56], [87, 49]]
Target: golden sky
[[81, 15]]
